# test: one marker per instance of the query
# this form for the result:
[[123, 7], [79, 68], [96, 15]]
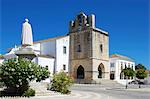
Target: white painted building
[[117, 64], [54, 50]]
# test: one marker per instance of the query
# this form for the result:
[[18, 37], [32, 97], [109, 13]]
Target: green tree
[[16, 73], [61, 83], [128, 72], [140, 72], [140, 66]]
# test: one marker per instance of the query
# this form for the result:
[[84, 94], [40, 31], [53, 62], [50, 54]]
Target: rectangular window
[[64, 50], [112, 65], [125, 66], [128, 65], [101, 48], [64, 67], [78, 48]]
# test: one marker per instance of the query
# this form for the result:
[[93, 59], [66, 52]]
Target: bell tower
[[89, 50]]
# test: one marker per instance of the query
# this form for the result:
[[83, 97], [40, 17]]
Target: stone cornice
[[90, 29], [88, 58]]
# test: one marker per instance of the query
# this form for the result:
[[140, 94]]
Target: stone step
[[98, 81], [110, 83]]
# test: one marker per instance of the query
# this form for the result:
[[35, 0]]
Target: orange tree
[[16, 73], [128, 72]]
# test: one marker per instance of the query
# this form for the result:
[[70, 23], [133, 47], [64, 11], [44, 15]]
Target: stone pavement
[[43, 93], [92, 91], [73, 95]]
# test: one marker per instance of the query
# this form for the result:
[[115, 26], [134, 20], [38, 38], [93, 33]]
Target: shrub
[[61, 83], [29, 92], [16, 74], [1, 84]]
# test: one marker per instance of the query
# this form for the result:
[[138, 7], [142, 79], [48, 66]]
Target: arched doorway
[[101, 71], [80, 72]]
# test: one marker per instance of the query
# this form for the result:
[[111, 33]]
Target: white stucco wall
[[1, 61], [54, 48], [45, 62], [48, 48], [61, 58]]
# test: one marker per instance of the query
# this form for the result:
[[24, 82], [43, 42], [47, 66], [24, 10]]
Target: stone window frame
[[101, 48], [79, 48]]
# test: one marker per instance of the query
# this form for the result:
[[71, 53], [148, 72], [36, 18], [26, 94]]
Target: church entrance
[[101, 71], [80, 72]]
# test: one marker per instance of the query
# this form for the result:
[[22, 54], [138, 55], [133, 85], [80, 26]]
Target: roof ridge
[[49, 39], [121, 56]]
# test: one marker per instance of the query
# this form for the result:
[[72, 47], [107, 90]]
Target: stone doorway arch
[[101, 71], [80, 72]]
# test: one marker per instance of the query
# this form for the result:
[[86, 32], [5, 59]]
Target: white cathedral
[[83, 53]]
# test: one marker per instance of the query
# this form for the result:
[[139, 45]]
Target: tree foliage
[[140, 71], [140, 66], [141, 74], [16, 74], [128, 72], [61, 82]]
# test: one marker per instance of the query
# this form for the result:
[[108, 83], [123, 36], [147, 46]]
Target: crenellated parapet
[[82, 22]]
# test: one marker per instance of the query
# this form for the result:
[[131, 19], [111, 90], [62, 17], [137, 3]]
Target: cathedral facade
[[89, 50]]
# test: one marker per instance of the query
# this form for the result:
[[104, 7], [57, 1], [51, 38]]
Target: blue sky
[[125, 20]]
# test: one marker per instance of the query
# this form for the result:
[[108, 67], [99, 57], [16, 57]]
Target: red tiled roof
[[121, 57]]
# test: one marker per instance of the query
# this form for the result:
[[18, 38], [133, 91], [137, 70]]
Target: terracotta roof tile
[[121, 57]]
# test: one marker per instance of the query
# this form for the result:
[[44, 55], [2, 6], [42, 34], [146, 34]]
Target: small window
[[121, 68], [125, 66], [132, 66], [101, 48], [46, 67], [79, 48], [64, 67], [112, 65], [64, 49], [128, 65]]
